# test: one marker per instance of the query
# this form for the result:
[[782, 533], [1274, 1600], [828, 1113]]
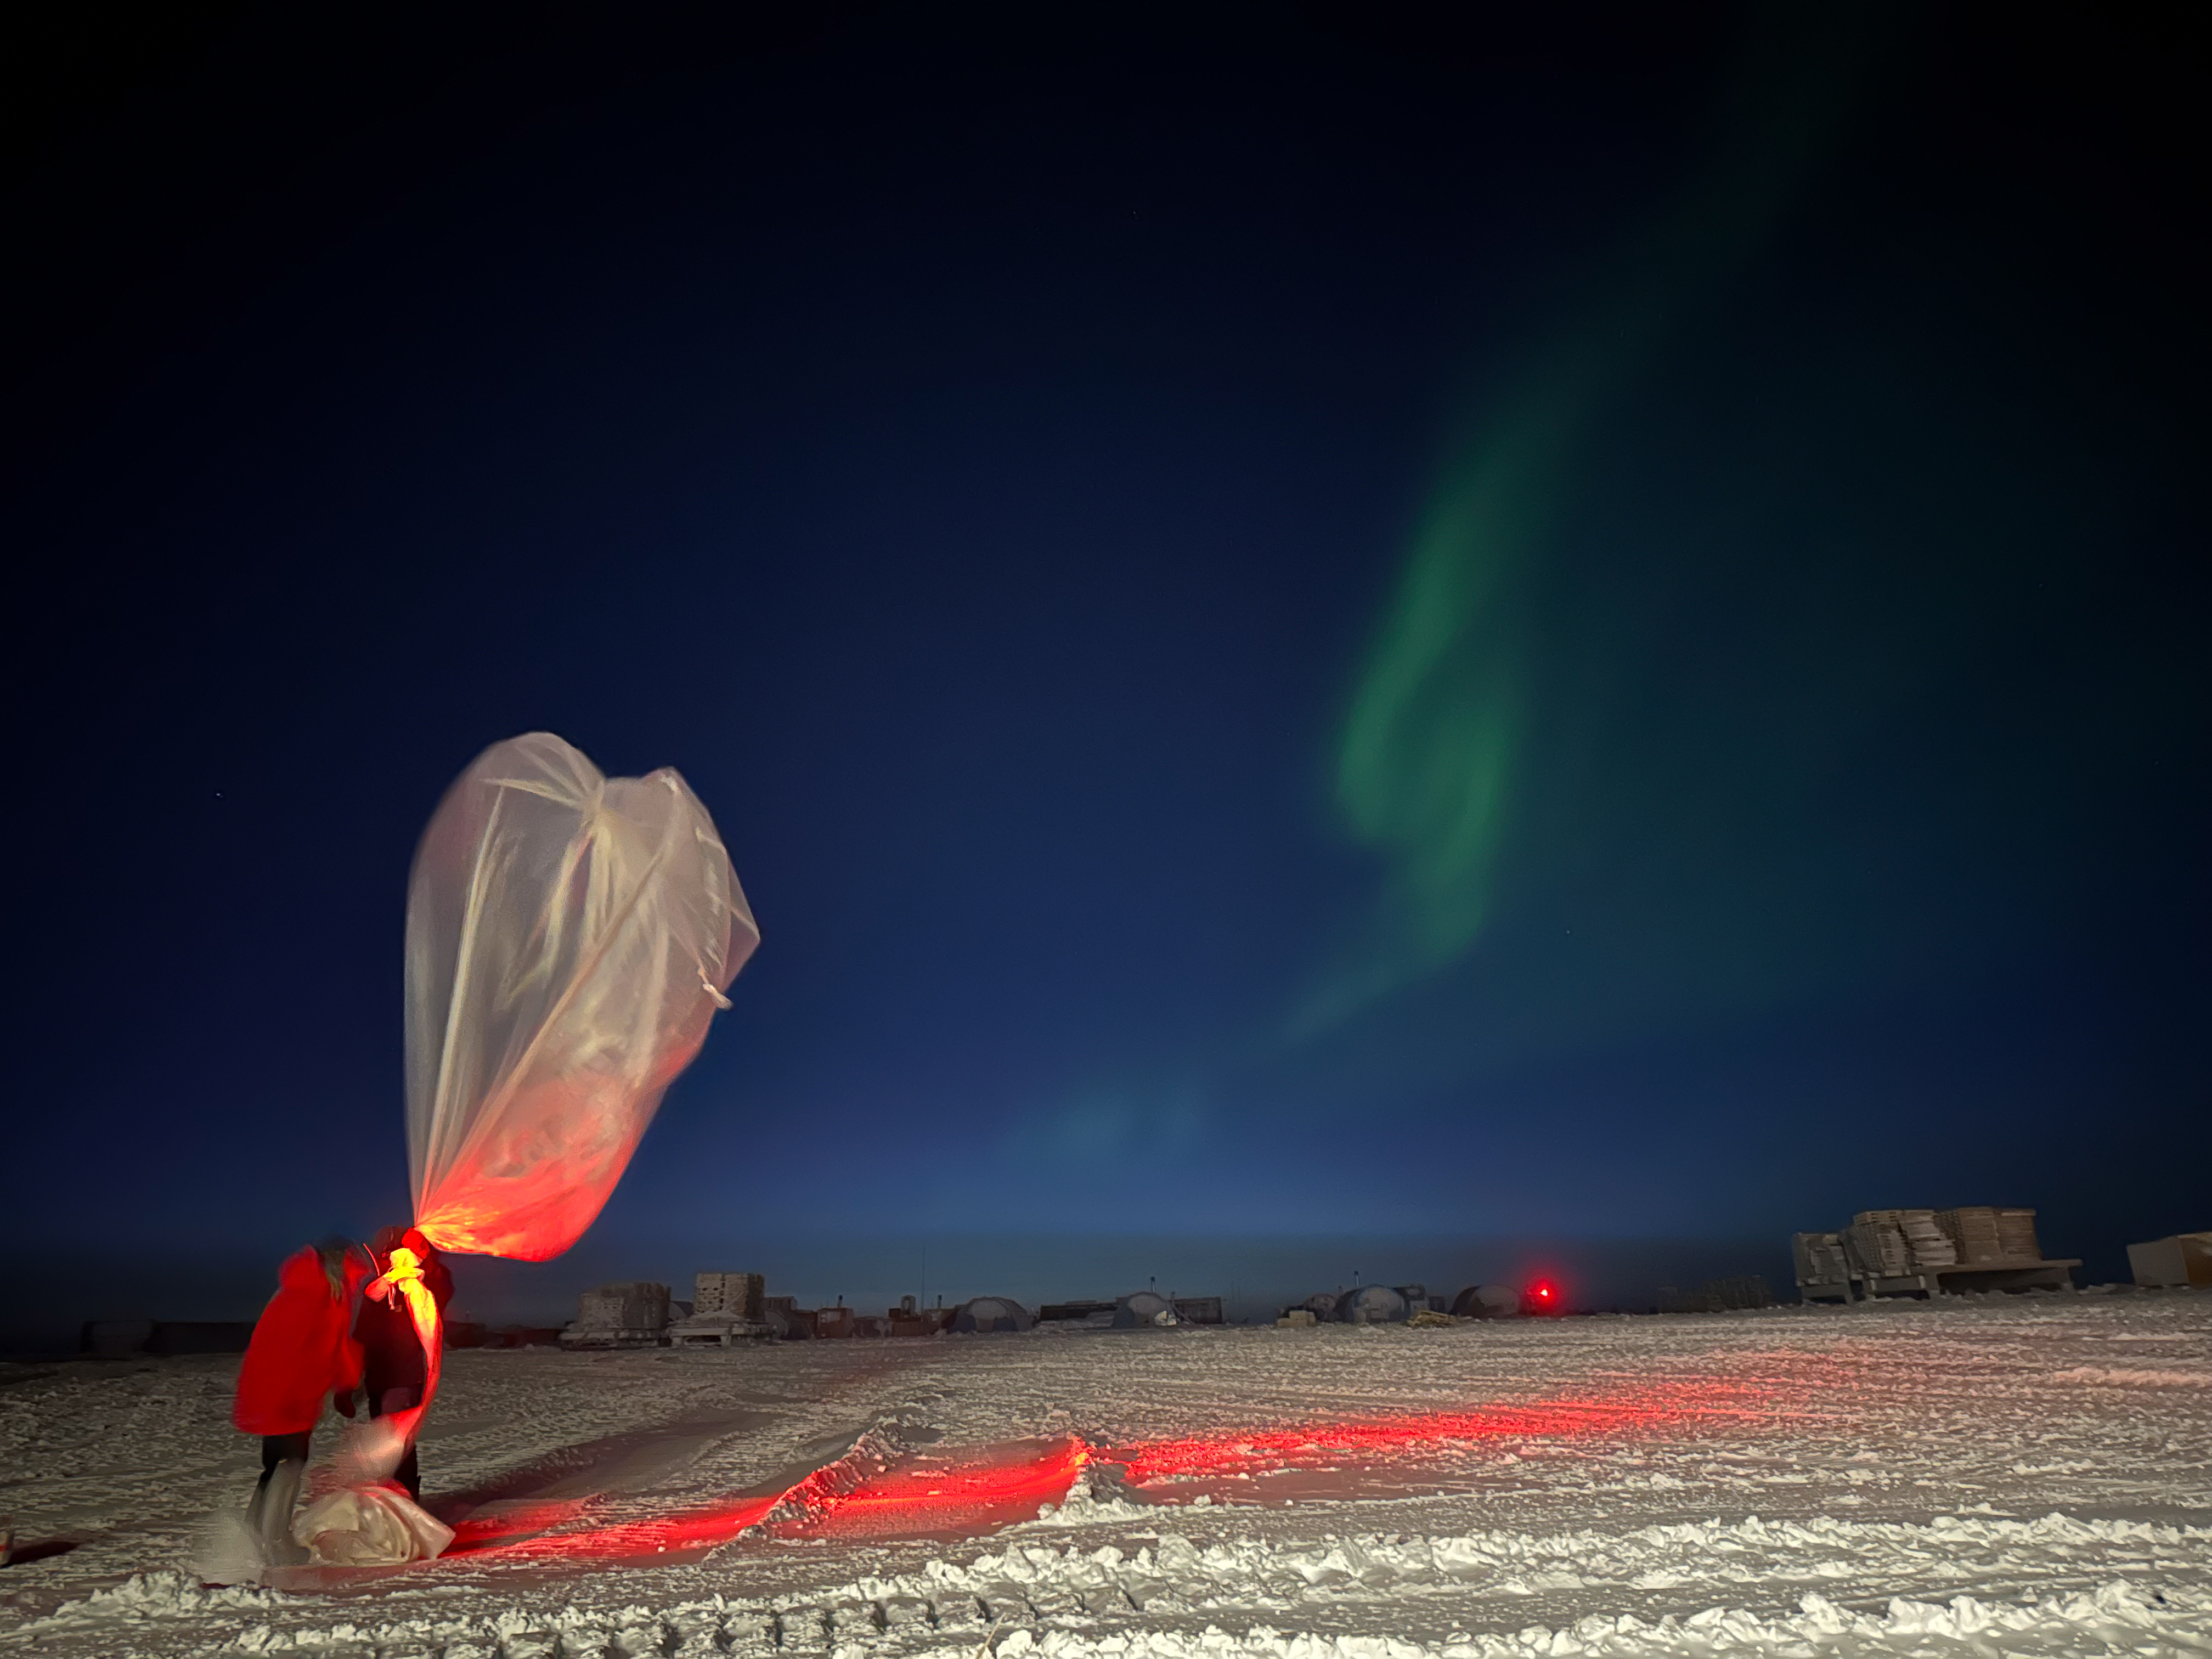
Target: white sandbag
[[568, 939]]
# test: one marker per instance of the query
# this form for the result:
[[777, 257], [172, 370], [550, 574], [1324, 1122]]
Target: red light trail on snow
[[981, 1489], [967, 1491], [1671, 1407], [973, 1490], [1244, 1452]]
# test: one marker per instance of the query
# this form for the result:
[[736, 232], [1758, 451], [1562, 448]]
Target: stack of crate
[[1987, 1235], [1930, 1245], [1876, 1241], [2016, 1235], [1820, 1258]]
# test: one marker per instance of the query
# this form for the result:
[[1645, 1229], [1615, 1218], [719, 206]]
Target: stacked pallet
[[1820, 1258], [1876, 1242], [1930, 1245], [1926, 1245], [1988, 1236], [2016, 1235]]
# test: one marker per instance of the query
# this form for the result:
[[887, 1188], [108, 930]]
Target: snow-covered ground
[[2015, 1475]]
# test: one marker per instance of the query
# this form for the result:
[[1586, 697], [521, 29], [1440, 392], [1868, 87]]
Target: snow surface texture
[[2004, 1476]]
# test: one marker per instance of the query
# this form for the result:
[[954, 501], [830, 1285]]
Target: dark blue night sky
[[1302, 624]]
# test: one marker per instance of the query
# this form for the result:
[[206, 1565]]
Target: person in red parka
[[302, 1353]]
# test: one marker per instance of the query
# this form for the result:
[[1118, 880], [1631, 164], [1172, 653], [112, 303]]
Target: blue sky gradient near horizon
[[993, 488]]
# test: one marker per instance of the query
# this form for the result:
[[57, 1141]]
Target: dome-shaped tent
[[1487, 1302], [991, 1313], [1372, 1304], [1143, 1308], [1321, 1304]]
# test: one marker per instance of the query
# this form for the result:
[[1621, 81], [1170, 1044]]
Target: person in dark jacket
[[302, 1354], [394, 1369]]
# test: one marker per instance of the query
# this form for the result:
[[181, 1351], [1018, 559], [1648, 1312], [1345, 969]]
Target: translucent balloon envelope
[[568, 939]]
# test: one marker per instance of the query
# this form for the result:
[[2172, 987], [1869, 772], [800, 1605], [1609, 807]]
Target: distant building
[[991, 1313], [1143, 1307], [1074, 1312], [630, 1315], [1373, 1305], [1486, 1302], [123, 1338], [726, 1308]]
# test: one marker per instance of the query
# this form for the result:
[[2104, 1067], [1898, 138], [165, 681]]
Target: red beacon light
[[1543, 1297]]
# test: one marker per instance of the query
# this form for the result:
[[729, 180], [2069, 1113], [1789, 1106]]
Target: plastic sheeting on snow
[[369, 1527], [568, 939]]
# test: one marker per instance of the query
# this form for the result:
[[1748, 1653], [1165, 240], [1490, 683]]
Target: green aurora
[[1434, 740]]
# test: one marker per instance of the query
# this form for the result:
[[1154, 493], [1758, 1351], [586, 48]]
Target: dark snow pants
[[279, 1448], [283, 1466]]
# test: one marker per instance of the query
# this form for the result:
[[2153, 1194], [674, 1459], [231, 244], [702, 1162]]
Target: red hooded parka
[[302, 1349]]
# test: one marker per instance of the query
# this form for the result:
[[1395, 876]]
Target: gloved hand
[[342, 1402]]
